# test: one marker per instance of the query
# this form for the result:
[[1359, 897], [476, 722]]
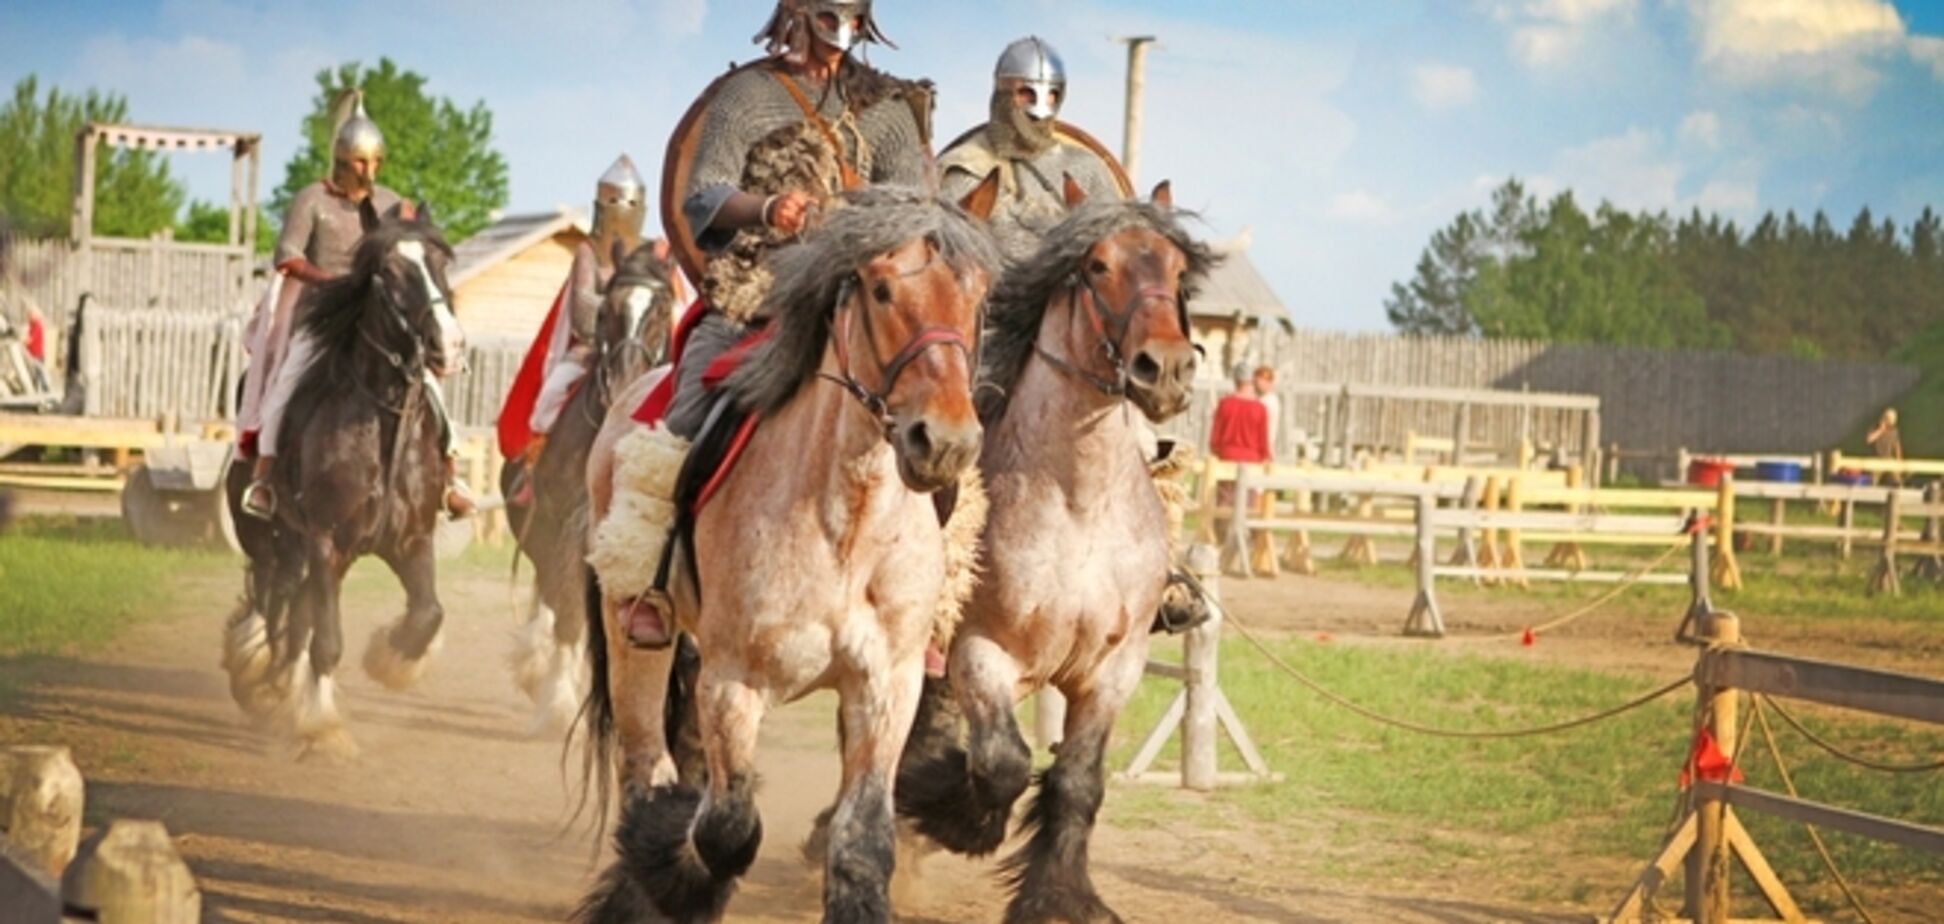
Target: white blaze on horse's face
[[451, 339], [640, 299]]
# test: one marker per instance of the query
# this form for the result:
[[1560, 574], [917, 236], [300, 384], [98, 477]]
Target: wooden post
[[1513, 559], [1488, 555], [41, 796], [1202, 689], [1727, 571], [1885, 578], [1778, 509], [1710, 864], [1137, 47], [132, 873], [1466, 555], [1424, 619], [1847, 520], [1461, 434]]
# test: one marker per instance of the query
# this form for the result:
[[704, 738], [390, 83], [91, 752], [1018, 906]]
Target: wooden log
[[1885, 578], [1711, 863], [42, 795], [1200, 650], [130, 873]]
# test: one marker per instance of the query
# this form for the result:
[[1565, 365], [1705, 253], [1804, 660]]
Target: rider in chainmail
[[776, 143], [764, 167], [1033, 157]]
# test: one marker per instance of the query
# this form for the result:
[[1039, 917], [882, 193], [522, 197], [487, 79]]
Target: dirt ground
[[451, 815]]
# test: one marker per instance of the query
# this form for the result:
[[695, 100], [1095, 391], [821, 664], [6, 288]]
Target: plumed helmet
[[1033, 64]]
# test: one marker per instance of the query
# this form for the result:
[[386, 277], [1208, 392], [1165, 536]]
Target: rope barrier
[[1627, 583], [1822, 850], [1846, 756], [1432, 730]]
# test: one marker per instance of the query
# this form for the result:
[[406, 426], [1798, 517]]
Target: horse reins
[[1111, 329], [877, 403]]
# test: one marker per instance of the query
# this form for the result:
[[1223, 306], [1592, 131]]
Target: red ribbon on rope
[[1707, 762]]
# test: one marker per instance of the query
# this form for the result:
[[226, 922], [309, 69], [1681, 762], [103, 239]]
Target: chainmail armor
[[1032, 191]]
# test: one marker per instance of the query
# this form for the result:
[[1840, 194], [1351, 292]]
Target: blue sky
[[1337, 134]]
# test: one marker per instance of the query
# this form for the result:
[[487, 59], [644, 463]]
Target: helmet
[[358, 138], [843, 24], [619, 208], [1031, 63]]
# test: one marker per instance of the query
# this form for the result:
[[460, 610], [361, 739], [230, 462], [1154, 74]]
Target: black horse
[[361, 473], [631, 336]]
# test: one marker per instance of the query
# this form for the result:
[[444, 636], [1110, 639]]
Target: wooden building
[[506, 277], [1234, 302]]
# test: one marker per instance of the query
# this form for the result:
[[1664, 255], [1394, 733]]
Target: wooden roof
[[1236, 289], [507, 237]]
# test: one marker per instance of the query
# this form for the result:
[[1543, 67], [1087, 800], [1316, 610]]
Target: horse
[[1075, 551], [818, 564], [359, 473], [631, 336]]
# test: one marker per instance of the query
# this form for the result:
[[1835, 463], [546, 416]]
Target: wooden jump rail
[[128, 871], [1875, 466], [1927, 545], [1810, 463], [1711, 836]]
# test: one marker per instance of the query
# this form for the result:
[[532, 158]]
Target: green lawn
[[1602, 791], [68, 586]]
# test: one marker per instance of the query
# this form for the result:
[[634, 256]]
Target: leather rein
[[1108, 325], [877, 403]]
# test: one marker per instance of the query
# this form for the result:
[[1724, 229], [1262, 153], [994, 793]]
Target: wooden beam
[[1902, 696], [1862, 824]]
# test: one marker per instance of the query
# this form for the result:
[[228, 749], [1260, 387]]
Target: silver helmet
[[1032, 64], [358, 138], [620, 206]]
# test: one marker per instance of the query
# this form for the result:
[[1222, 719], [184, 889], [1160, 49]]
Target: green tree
[[1434, 301], [134, 194], [208, 223], [435, 152]]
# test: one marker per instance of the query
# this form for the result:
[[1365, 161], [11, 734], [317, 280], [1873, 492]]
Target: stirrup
[[658, 601], [1183, 606], [260, 500]]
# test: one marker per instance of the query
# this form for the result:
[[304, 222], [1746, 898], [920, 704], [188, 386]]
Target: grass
[[1602, 791], [69, 586]]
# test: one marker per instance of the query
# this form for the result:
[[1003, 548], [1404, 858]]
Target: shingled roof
[[1236, 288], [508, 236]]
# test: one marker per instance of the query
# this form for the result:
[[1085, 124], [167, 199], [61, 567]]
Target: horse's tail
[[596, 719]]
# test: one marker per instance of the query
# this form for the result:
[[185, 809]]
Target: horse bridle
[[878, 403], [630, 341], [1111, 327]]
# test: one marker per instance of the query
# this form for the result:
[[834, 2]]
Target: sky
[[1336, 135]]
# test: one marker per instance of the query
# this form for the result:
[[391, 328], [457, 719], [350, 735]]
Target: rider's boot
[[529, 469], [1183, 606], [458, 501], [259, 499]]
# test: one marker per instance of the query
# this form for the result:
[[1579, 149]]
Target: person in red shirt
[[1240, 431]]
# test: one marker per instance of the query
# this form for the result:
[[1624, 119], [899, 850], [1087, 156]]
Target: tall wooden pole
[[1137, 47]]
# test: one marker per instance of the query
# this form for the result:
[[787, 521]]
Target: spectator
[[1888, 443], [1240, 431], [1265, 389]]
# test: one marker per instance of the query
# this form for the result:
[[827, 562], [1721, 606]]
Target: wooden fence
[[156, 363], [1651, 400], [52, 273], [1710, 837]]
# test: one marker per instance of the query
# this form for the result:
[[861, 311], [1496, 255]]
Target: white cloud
[[1929, 51], [681, 17], [1836, 45], [1548, 33], [1630, 169], [1360, 206], [1732, 196], [1442, 86], [1702, 128]]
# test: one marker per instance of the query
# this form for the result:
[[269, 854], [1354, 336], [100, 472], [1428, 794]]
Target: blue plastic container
[[1788, 472]]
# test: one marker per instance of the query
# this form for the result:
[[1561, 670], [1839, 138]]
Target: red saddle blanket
[[654, 407]]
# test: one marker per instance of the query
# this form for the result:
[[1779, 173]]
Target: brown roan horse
[[820, 560], [1075, 551], [631, 336], [358, 473]]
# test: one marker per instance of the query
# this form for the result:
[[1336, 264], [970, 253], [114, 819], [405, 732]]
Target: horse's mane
[[335, 306], [1018, 302], [809, 276]]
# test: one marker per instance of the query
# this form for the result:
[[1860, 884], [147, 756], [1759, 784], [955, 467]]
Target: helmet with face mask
[[357, 138], [1028, 87], [619, 209], [841, 24]]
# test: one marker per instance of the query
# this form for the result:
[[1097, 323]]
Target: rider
[[618, 213], [1025, 142], [1036, 157], [318, 242], [778, 140]]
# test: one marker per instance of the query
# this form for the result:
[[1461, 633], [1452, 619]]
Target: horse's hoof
[[246, 648], [392, 669], [333, 746]]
